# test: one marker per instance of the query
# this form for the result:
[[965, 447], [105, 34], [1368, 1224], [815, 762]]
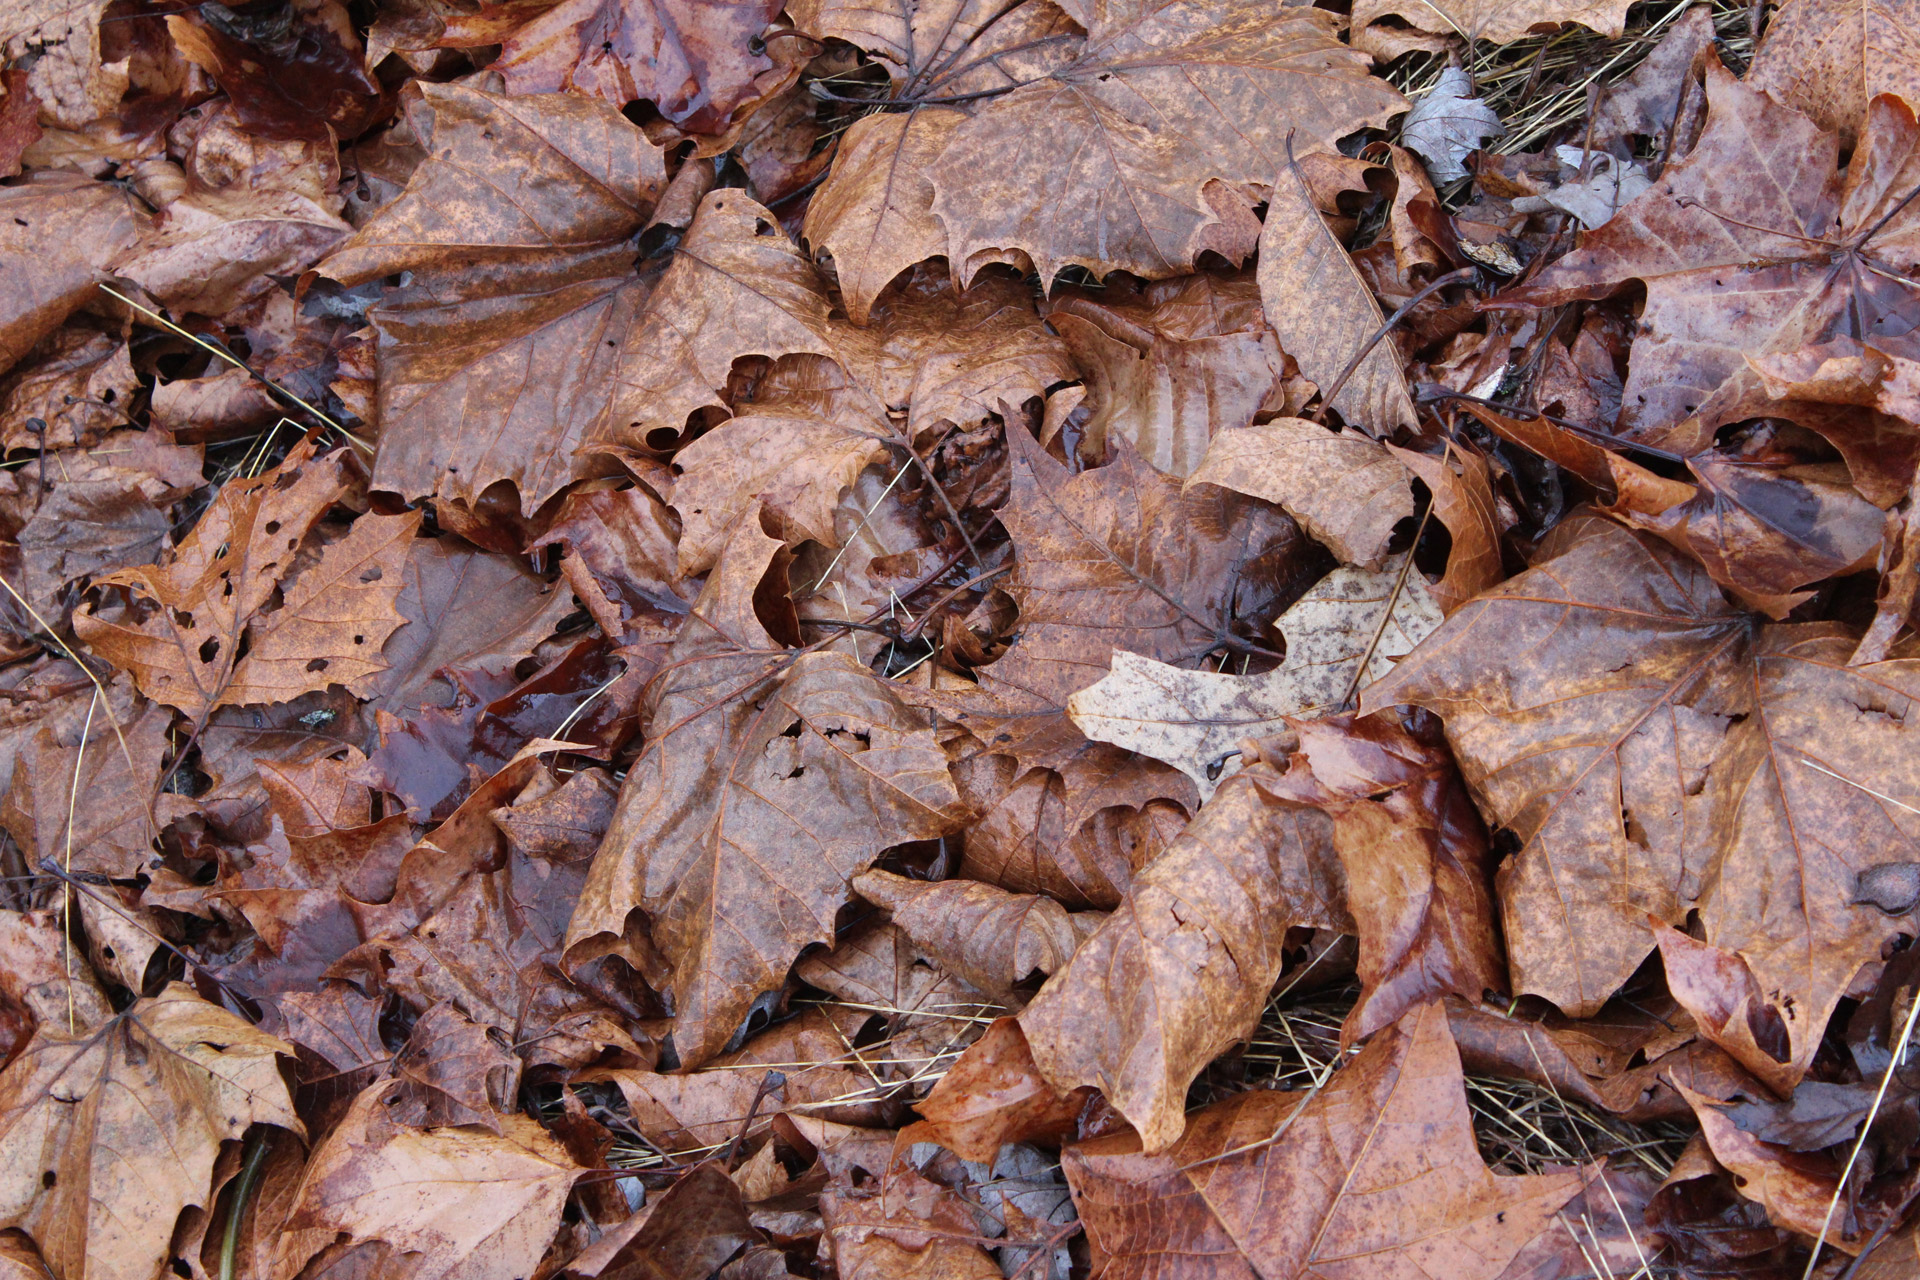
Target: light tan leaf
[[1196, 720], [1344, 489], [110, 1134], [471, 1204], [1498, 21]]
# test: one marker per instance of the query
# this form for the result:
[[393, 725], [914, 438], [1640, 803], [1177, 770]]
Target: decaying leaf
[[1376, 1174], [1829, 60], [1448, 124], [1708, 763], [1197, 720]]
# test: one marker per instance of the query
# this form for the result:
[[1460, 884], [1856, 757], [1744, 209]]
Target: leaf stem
[[256, 1162]]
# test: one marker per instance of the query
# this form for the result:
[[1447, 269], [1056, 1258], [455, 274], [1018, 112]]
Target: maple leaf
[[1197, 720], [934, 357], [181, 635], [1829, 60], [498, 360], [1498, 21], [1121, 557], [468, 1202], [766, 784], [1171, 113], [114, 1131], [1708, 762], [1376, 1173], [1732, 269], [115, 763], [1172, 367]]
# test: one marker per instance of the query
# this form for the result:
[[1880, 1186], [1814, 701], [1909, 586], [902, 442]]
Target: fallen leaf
[[905, 1227], [993, 1094], [467, 1202], [993, 939], [1448, 124], [826, 767], [452, 1073], [1375, 1173], [1182, 968], [114, 1131], [1463, 501], [85, 800], [1597, 185], [1121, 557], [1498, 21], [1829, 60], [1346, 491], [1197, 720], [1731, 269], [499, 359], [1708, 761], [1323, 312], [1654, 97], [1185, 362], [59, 231]]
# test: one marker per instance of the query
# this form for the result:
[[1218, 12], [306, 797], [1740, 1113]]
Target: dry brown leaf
[[992, 938], [1498, 21], [499, 360], [471, 1204], [1346, 491], [1735, 269], [1655, 96], [1374, 1174], [906, 1227], [43, 982], [1182, 968], [85, 799], [452, 1073], [1121, 557], [111, 1133], [1705, 765], [1830, 59], [1463, 501], [1197, 720], [820, 766], [1170, 368], [1323, 312], [57, 231], [993, 1094]]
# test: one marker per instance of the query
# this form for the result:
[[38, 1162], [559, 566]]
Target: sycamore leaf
[[1196, 720], [1707, 764], [1734, 270], [1121, 557], [112, 1132], [469, 1203], [1376, 1174], [1346, 491], [499, 358], [766, 784], [1829, 60]]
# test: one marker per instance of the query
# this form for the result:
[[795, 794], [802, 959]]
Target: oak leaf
[[1706, 763], [766, 784], [1121, 557], [1734, 270], [499, 359], [468, 1202], [1376, 1173], [113, 1131], [1197, 720]]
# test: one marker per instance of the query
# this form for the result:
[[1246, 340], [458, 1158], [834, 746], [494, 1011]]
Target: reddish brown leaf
[[993, 1095]]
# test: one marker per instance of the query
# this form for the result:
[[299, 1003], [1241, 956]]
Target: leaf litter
[[1064, 639]]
